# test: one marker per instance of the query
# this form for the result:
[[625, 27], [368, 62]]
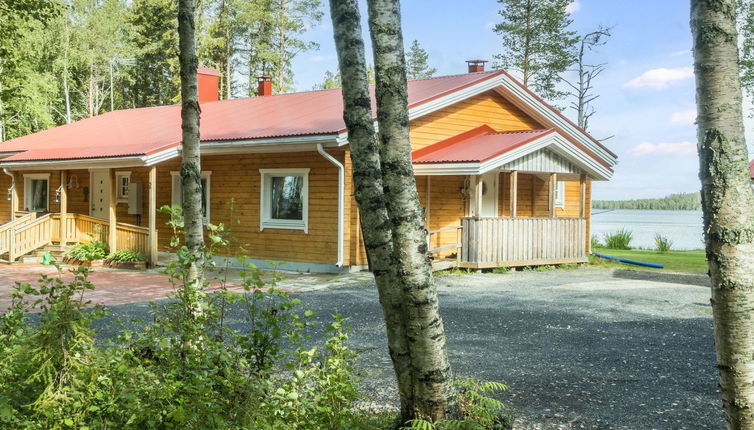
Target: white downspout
[[13, 194], [341, 199]]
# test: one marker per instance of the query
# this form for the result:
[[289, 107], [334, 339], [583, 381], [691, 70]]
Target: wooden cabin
[[504, 178]]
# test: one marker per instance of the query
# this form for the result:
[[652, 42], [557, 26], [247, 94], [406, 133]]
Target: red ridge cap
[[482, 129]]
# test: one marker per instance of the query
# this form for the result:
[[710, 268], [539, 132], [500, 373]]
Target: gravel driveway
[[587, 348]]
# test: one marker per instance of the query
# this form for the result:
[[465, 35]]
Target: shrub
[[500, 270], [663, 243], [621, 239], [87, 251], [184, 368], [126, 256]]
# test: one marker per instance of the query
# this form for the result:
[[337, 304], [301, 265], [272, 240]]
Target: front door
[[489, 195], [99, 206]]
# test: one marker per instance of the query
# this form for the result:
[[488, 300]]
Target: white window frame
[[27, 188], [560, 197], [120, 196], [265, 221], [175, 195]]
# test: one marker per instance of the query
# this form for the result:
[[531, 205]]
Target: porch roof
[[482, 149], [477, 145]]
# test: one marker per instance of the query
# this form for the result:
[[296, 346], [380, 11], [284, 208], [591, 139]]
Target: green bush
[[183, 368], [88, 251], [126, 256], [663, 243], [595, 241], [621, 239]]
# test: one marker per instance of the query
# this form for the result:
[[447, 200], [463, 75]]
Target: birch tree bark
[[727, 202], [367, 178], [191, 178], [432, 382]]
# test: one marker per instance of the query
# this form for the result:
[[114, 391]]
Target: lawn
[[674, 261]]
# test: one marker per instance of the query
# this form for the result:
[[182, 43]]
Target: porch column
[[478, 194], [153, 216], [514, 193], [582, 196], [63, 207], [14, 196], [429, 199], [553, 187], [113, 233]]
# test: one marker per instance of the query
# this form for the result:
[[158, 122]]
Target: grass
[[620, 239], [674, 261]]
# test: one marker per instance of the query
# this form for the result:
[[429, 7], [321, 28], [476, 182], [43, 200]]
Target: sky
[[646, 94]]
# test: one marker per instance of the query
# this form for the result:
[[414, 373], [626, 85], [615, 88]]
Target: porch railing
[[494, 242]]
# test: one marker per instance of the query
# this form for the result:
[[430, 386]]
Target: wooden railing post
[[514, 193], [12, 245], [582, 196], [153, 216], [553, 191], [63, 207], [113, 233]]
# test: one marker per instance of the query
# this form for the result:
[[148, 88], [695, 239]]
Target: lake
[[684, 228]]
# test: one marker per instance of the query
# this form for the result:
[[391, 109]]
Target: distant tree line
[[678, 202]]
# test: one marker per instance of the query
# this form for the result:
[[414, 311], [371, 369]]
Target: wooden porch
[[29, 232]]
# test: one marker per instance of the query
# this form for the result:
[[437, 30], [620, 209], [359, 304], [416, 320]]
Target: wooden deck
[[495, 242]]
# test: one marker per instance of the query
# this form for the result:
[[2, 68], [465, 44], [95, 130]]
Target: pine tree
[[727, 202], [537, 43], [417, 66], [153, 79], [289, 19], [582, 90]]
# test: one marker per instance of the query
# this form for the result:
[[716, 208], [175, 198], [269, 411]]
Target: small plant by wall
[[663, 243]]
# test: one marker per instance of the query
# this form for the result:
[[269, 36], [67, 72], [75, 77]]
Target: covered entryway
[[99, 202]]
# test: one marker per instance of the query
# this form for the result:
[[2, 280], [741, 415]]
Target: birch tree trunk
[[434, 394], [727, 201], [191, 178], [367, 178]]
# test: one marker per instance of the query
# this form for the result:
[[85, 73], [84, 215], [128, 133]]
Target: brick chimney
[[476, 65], [209, 84], [264, 87]]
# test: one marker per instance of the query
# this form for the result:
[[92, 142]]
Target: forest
[[65, 60], [672, 202]]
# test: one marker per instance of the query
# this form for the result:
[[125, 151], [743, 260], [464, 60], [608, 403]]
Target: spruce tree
[[417, 66], [536, 43]]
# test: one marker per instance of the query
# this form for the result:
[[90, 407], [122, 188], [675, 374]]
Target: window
[[177, 193], [560, 195], [36, 192], [123, 179], [284, 199]]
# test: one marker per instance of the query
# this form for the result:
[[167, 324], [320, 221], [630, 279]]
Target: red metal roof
[[143, 131], [476, 146]]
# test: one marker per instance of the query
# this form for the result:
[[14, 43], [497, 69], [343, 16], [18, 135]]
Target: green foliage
[[332, 80], [479, 410], [417, 65], [679, 202], [87, 251], [663, 243], [501, 269], [126, 256], [620, 239], [595, 241], [537, 43], [185, 368]]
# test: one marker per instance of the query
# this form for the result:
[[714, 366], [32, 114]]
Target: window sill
[[283, 226]]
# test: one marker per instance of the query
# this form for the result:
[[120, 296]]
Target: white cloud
[[660, 78], [574, 6], [684, 148], [684, 117]]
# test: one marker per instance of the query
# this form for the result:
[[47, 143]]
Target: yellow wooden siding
[[237, 178], [487, 108], [446, 207]]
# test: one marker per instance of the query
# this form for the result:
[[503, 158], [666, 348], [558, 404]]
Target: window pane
[[39, 195], [204, 198], [286, 198]]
